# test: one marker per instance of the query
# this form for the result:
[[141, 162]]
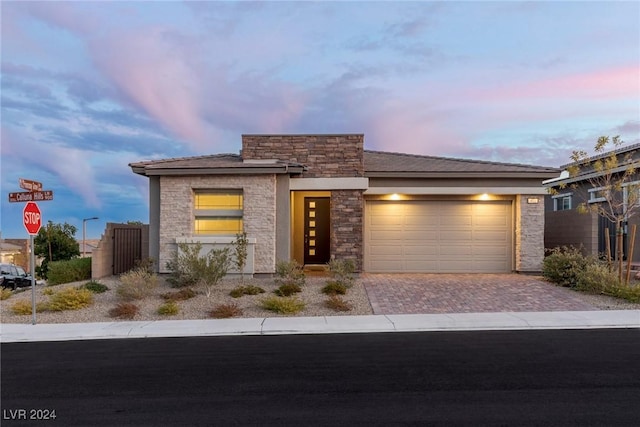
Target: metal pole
[[84, 230], [32, 265]]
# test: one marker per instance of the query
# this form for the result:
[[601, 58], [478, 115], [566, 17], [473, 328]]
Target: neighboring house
[[10, 252], [565, 226], [311, 198]]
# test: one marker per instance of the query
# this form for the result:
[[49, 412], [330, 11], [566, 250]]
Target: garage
[[445, 236]]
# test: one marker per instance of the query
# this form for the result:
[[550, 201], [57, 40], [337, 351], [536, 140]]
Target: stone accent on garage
[[347, 225], [529, 233], [259, 214]]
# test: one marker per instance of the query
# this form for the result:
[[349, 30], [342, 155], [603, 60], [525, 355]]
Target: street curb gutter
[[11, 332]]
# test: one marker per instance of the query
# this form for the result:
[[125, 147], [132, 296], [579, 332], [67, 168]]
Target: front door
[[317, 230]]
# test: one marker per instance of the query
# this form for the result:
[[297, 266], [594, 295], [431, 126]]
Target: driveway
[[466, 293]]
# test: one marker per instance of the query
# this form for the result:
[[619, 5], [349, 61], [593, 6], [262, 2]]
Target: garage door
[[438, 236]]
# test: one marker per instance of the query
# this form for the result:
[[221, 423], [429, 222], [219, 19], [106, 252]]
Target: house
[[311, 198], [565, 226]]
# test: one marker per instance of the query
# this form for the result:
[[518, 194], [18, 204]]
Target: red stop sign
[[32, 218]]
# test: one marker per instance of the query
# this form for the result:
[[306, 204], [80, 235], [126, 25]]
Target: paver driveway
[[466, 293]]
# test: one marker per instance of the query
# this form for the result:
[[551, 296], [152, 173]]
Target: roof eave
[[218, 171]]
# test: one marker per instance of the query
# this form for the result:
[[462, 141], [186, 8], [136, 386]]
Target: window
[[598, 194], [562, 202], [218, 212]]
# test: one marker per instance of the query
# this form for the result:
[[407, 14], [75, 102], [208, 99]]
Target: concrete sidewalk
[[322, 325]]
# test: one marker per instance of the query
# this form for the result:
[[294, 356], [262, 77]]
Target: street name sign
[[29, 185], [31, 196]]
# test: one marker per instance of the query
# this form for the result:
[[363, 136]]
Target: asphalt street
[[537, 377]]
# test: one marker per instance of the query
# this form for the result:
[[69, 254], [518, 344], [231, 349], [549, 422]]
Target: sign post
[[32, 220]]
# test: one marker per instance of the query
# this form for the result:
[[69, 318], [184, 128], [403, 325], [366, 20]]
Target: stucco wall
[[259, 214], [529, 233]]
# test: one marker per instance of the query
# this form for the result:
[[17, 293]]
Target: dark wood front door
[[317, 230]]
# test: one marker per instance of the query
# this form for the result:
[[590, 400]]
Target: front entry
[[317, 230]]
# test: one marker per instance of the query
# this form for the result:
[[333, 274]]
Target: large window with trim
[[218, 212]]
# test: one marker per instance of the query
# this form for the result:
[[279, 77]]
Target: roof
[[385, 164], [216, 164], [376, 164]]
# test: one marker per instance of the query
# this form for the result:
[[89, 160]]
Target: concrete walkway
[[322, 325]]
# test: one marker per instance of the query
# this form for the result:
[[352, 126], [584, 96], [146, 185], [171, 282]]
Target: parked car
[[13, 276]]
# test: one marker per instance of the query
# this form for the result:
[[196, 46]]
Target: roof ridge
[[457, 159]]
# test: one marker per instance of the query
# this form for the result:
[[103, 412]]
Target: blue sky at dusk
[[89, 87]]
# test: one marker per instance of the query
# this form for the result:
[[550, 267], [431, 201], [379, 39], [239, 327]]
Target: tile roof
[[386, 163], [208, 163]]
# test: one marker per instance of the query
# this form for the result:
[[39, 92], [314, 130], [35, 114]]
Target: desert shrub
[[21, 307], [342, 271], [185, 265], [189, 268], [337, 303], [124, 310], [72, 270], [288, 305], [5, 293], [563, 265], [70, 299], [225, 311], [136, 284], [596, 277], [240, 249], [169, 308], [334, 288], [289, 272], [239, 291], [95, 287], [287, 289], [48, 291], [629, 292], [181, 295]]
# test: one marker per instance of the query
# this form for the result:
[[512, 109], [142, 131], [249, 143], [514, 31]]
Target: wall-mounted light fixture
[[394, 196], [484, 196]]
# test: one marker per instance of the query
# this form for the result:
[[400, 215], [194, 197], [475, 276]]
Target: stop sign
[[31, 218]]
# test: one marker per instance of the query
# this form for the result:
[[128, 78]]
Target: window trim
[[561, 197], [593, 192]]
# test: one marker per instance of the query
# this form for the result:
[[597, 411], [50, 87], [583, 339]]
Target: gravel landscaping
[[194, 308]]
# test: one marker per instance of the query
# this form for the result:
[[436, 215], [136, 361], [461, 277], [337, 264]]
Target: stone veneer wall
[[259, 212], [347, 226], [529, 230], [326, 156]]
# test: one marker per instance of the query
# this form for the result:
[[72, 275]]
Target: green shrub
[[70, 299], [289, 305], [5, 293], [239, 291], [169, 308], [563, 265], [334, 288], [185, 265], [289, 272], [225, 311], [595, 278], [181, 295], [287, 289], [124, 310], [95, 287], [336, 303], [628, 292], [72, 270], [136, 284], [342, 271]]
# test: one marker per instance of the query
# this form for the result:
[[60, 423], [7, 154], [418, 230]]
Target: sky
[[89, 87]]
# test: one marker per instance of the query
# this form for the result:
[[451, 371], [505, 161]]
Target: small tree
[[55, 242], [240, 251], [614, 178]]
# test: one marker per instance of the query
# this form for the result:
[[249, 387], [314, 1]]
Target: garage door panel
[[438, 236]]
